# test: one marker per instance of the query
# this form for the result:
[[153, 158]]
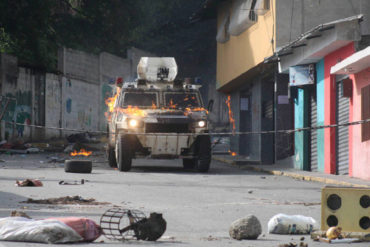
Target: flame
[[231, 115], [132, 110], [110, 101], [81, 152], [154, 106], [189, 110], [232, 153]]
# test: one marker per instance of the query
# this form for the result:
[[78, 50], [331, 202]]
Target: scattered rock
[[302, 239], [263, 177], [246, 228], [250, 191], [16, 213], [302, 244]]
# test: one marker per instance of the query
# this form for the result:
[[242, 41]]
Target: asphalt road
[[198, 208]]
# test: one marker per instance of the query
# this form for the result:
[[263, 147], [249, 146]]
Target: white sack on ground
[[239, 18], [40, 231], [291, 224]]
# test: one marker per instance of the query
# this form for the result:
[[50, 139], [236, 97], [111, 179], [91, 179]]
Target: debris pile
[[66, 200]]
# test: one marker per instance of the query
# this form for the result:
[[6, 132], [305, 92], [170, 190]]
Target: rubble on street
[[65, 200]]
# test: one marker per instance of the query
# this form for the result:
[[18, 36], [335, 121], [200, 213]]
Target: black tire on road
[[123, 153], [111, 157], [78, 166], [204, 153], [189, 163]]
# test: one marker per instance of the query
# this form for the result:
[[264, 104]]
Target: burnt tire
[[123, 153], [204, 153], [189, 163], [112, 162], [78, 166]]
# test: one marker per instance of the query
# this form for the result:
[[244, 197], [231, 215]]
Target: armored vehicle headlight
[[201, 124], [133, 123]]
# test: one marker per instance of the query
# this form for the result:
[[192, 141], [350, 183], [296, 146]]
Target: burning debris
[[66, 200], [82, 152], [231, 120], [231, 115]]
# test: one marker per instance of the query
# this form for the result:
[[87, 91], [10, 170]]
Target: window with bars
[[365, 112]]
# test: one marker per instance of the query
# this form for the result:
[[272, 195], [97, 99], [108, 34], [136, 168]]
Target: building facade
[[249, 33], [326, 96]]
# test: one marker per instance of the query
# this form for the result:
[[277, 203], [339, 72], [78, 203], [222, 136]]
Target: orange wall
[[360, 150], [243, 52]]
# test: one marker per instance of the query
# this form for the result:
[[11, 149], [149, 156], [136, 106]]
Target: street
[[198, 208]]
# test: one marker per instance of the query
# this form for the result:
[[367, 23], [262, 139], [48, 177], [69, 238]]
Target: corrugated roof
[[311, 34]]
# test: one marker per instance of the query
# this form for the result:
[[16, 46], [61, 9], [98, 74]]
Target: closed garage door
[[342, 132], [313, 153]]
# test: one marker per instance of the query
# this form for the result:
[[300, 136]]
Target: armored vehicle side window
[[139, 99], [181, 100]]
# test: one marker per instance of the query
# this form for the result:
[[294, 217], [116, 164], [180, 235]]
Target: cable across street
[[209, 134]]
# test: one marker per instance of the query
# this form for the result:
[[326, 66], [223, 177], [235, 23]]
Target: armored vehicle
[[158, 117]]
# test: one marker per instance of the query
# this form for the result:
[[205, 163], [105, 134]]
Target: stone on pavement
[[246, 228]]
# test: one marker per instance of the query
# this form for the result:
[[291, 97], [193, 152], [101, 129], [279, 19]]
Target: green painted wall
[[301, 141], [320, 94]]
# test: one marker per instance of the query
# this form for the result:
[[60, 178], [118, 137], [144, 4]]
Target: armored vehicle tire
[[123, 154], [111, 157], [78, 166], [189, 163], [204, 153]]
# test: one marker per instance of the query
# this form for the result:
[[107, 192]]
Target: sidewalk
[[286, 168]]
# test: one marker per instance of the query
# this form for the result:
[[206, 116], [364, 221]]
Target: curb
[[292, 174]]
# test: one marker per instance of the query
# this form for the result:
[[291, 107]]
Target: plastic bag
[[86, 228], [291, 224], [39, 231]]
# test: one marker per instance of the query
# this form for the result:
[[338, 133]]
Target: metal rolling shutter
[[313, 153], [342, 132]]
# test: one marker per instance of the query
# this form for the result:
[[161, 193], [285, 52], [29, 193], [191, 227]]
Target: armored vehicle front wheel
[[123, 153], [111, 157], [204, 153], [189, 163]]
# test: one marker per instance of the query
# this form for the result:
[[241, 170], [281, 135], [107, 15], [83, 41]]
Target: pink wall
[[330, 104], [360, 150]]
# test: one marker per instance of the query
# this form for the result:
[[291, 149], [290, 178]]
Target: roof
[[311, 34], [353, 64]]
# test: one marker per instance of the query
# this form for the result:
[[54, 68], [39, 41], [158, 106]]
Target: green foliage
[[34, 29]]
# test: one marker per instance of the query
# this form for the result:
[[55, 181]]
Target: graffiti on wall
[[18, 111]]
